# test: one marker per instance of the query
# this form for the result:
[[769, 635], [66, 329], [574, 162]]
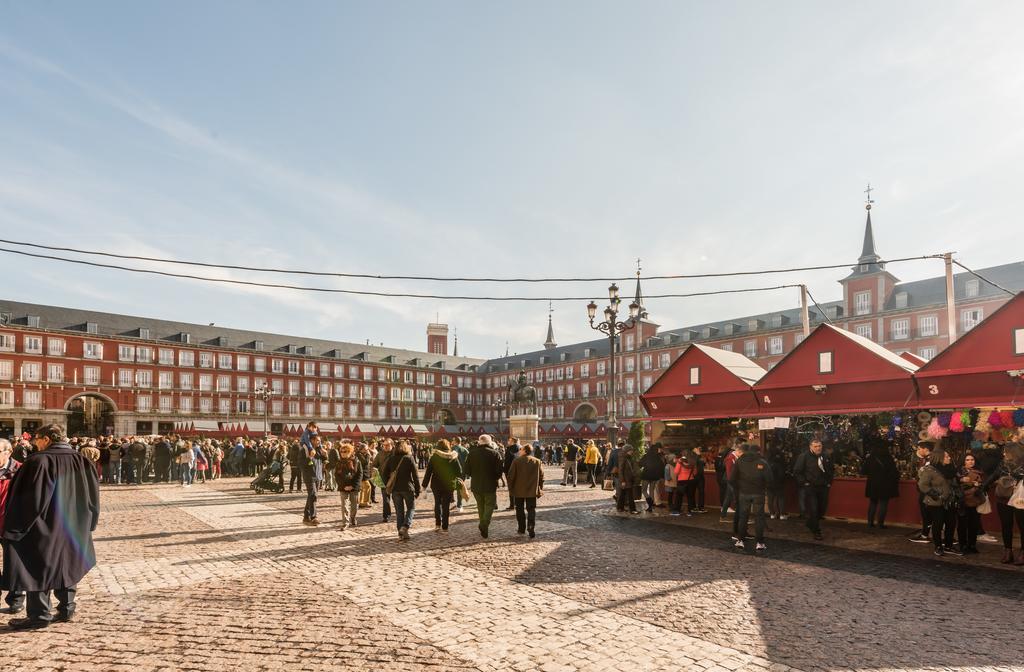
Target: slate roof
[[127, 326], [932, 291]]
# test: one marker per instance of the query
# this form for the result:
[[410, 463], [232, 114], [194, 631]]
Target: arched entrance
[[90, 415], [446, 417], [585, 413]]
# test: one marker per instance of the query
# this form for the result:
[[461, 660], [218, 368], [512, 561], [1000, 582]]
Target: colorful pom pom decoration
[[1018, 417], [944, 419], [983, 427], [956, 423], [995, 421], [1006, 418], [936, 431], [965, 419]]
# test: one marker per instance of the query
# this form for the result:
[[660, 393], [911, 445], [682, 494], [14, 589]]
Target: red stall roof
[[835, 371], [704, 383], [914, 359], [985, 367]]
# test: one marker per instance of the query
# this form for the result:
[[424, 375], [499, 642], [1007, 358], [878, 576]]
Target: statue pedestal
[[524, 427]]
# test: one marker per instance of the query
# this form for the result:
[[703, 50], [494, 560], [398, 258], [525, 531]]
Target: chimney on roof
[[437, 338]]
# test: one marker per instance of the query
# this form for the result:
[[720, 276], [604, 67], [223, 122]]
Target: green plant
[[636, 437]]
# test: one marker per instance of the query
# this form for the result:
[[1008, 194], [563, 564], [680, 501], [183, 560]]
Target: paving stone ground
[[215, 577]]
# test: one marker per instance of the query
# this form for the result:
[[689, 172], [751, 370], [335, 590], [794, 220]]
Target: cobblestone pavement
[[214, 577]]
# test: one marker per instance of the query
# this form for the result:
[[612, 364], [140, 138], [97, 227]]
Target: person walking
[[309, 455], [52, 510], [883, 481], [15, 599], [403, 486], [814, 472], [348, 475], [570, 473], [463, 454], [442, 474], [484, 468], [526, 483], [511, 453], [652, 470], [628, 473], [751, 476], [590, 459], [387, 447]]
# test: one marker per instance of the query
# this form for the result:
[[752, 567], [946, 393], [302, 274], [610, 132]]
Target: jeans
[[114, 472], [701, 484], [746, 504], [329, 482], [881, 506], [38, 603], [186, 474], [526, 513], [926, 515], [309, 512], [649, 489], [385, 500], [729, 499], [442, 508], [816, 498], [405, 506], [968, 523], [591, 468], [776, 502], [163, 470], [486, 503], [943, 525], [349, 505], [295, 481], [1007, 516], [571, 471]]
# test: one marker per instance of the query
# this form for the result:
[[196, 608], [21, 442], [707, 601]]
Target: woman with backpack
[[443, 471]]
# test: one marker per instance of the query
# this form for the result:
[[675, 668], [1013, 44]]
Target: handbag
[[1005, 486], [391, 481], [985, 507], [376, 479], [461, 485], [1017, 500], [607, 485]]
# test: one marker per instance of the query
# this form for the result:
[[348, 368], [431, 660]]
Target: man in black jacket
[[750, 478], [814, 471], [511, 453], [162, 461], [52, 511], [295, 467], [484, 468], [652, 470]]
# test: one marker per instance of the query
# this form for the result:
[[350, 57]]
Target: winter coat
[[52, 511], [484, 468], [973, 494], [935, 487], [442, 471], [652, 465], [593, 455], [627, 471], [525, 477], [349, 473], [883, 478], [751, 475], [808, 473], [407, 477]]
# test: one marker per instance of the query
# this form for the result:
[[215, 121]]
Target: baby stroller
[[269, 479]]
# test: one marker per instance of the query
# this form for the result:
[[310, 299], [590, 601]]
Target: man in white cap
[[484, 467]]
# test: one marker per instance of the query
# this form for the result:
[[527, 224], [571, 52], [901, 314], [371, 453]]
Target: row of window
[[927, 325], [57, 347]]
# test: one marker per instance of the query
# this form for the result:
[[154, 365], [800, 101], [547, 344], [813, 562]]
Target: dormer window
[[901, 299], [971, 288]]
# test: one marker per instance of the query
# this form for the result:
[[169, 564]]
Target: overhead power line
[[982, 277], [333, 290], [376, 276]]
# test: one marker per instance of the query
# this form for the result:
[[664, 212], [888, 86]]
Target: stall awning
[[985, 367], [206, 425], [834, 371], [704, 382]]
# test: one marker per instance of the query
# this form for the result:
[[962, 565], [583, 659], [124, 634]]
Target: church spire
[[456, 352], [549, 343], [869, 261], [639, 297]]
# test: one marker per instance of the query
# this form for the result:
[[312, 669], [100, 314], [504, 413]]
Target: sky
[[527, 139]]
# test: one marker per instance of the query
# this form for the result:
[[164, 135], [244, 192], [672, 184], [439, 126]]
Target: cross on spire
[[868, 202]]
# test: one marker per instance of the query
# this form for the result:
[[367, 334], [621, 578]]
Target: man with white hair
[[484, 467]]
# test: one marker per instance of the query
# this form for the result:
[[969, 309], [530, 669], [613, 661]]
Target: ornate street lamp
[[264, 392], [613, 327], [498, 404]]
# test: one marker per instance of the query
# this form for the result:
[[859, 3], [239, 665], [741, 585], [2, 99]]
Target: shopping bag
[[1017, 499], [984, 507], [607, 485]]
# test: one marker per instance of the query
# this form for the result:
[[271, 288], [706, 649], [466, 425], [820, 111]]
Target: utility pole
[[950, 298], [805, 319]]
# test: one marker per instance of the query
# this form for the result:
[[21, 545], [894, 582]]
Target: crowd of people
[[46, 475]]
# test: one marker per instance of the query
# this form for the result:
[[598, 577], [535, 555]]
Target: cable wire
[[375, 276], [332, 290], [981, 277], [820, 309]]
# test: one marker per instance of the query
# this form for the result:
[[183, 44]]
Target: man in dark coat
[[814, 471], [484, 468], [511, 453], [162, 452], [53, 508]]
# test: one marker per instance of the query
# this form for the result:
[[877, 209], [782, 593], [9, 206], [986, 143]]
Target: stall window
[[824, 362], [1018, 341], [694, 375]]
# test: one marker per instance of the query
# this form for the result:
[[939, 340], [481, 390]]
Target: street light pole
[[264, 392], [613, 327]]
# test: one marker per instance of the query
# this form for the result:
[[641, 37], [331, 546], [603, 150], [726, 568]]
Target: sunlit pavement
[[215, 577]]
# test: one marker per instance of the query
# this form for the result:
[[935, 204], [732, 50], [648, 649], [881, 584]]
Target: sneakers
[[938, 551], [818, 536], [437, 528], [760, 547], [987, 538], [532, 533], [739, 544], [27, 623], [920, 538], [952, 550], [403, 534], [783, 517], [674, 513]]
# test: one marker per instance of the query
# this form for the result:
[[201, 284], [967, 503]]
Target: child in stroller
[[270, 479]]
